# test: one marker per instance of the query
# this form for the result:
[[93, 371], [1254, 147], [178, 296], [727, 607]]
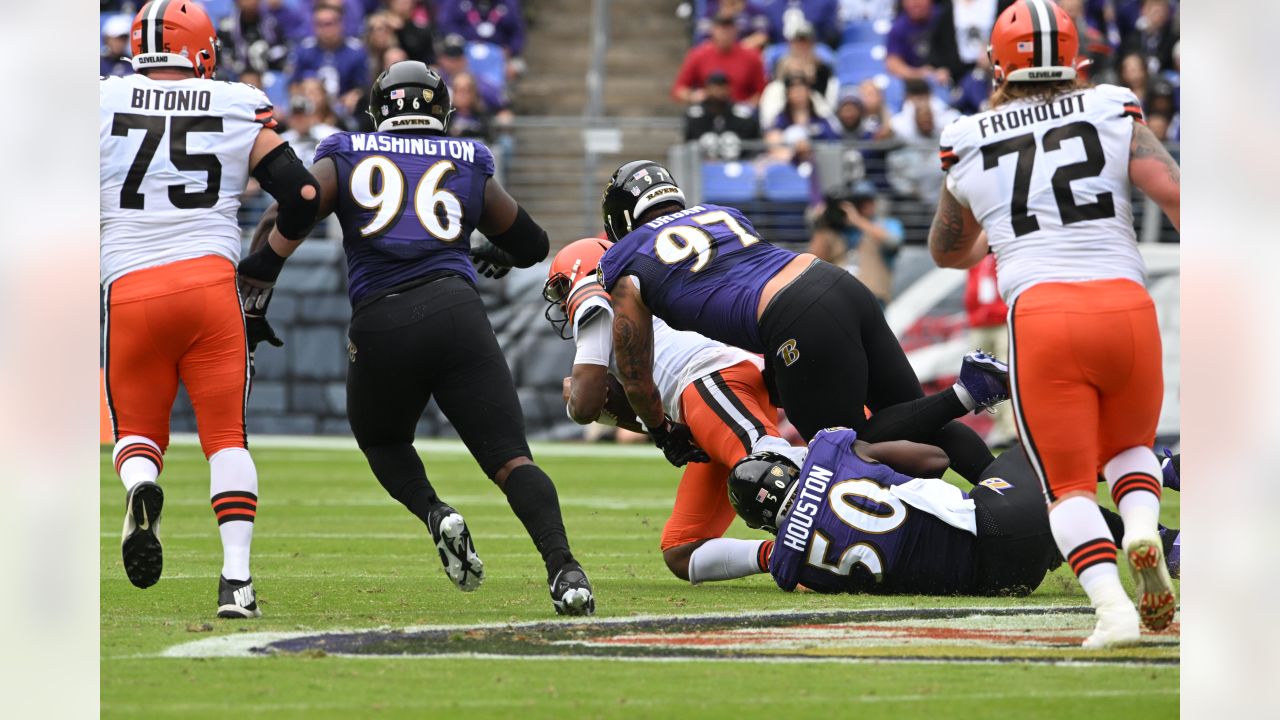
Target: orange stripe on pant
[[177, 321], [722, 419], [1086, 376]]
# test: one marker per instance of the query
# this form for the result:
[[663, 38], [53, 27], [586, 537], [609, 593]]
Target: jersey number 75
[[180, 126]]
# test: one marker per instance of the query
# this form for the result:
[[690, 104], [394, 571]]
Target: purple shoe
[[985, 378], [1171, 467], [1172, 550]]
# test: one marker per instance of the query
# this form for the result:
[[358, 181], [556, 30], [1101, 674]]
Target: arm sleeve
[[594, 339]]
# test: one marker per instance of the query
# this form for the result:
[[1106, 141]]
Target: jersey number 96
[[436, 208]]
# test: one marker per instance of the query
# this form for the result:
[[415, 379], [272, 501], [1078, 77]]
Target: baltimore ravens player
[[408, 198], [824, 338], [848, 521]]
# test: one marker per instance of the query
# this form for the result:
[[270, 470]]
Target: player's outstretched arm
[[954, 240], [1154, 171], [910, 458], [633, 349]]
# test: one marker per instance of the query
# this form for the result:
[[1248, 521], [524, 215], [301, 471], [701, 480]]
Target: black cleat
[[140, 541], [457, 552], [571, 591], [236, 599]]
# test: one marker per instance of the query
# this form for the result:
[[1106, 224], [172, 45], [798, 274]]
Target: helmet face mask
[[760, 487], [410, 96], [634, 188], [574, 262]]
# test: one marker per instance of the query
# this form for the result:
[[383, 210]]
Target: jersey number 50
[[437, 209], [885, 514], [1069, 210]]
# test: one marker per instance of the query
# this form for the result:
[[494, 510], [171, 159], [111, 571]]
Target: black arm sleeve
[[283, 175], [525, 240]]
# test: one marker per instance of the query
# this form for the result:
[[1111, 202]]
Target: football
[[617, 409]]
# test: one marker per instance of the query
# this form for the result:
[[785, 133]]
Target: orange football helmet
[[575, 261], [174, 33], [1034, 41]]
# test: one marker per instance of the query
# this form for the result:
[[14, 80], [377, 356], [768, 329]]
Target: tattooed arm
[[954, 237], [633, 351], [1153, 171]]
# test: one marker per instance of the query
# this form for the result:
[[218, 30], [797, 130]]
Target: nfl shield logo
[[397, 94]]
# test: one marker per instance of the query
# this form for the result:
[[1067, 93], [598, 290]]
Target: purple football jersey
[[846, 532], [408, 205], [701, 269]]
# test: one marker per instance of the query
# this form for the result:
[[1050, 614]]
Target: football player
[[716, 393], [408, 197], [1046, 173], [847, 521], [177, 148], [824, 338]]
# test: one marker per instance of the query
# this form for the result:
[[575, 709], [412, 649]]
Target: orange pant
[[727, 411], [1086, 374], [180, 320]]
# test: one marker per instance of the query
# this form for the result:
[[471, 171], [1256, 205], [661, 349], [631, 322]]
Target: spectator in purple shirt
[[824, 15], [799, 124], [493, 21], [115, 36], [340, 62], [909, 44], [299, 26], [253, 36]]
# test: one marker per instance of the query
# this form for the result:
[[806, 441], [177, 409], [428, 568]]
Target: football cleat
[[1170, 468], [457, 552], [1152, 584], [236, 599], [140, 540], [1173, 555], [571, 591], [985, 378], [1117, 626]]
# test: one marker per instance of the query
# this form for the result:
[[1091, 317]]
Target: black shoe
[[457, 552], [140, 541], [571, 591], [236, 599]]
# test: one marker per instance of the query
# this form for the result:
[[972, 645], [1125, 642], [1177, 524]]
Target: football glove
[[260, 331], [491, 260], [256, 276], [676, 441]]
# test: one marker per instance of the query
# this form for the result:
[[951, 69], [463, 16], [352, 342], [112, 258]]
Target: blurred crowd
[[315, 59], [767, 82]]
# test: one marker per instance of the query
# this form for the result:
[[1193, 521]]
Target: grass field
[[332, 551]]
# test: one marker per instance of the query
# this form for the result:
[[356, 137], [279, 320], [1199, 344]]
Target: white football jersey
[[679, 357], [1049, 182], [174, 161]]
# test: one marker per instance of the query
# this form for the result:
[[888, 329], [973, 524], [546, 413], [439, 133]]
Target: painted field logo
[[1009, 634]]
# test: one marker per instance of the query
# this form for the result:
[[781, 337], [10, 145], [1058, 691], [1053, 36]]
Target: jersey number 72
[[1068, 209]]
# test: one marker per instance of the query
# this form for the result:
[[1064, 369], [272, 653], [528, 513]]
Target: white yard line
[[436, 446]]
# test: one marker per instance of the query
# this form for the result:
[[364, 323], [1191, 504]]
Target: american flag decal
[[760, 496], [1026, 47], [397, 94]]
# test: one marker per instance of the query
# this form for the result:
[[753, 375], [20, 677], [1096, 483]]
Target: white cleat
[[457, 552], [1152, 583], [1117, 626]]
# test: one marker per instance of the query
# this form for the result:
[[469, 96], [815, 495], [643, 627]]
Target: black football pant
[[830, 353], [435, 340]]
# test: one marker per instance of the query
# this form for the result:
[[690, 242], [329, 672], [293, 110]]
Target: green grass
[[331, 550]]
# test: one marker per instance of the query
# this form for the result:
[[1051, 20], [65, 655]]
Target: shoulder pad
[[583, 292]]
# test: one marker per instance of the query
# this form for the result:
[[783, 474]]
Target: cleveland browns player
[[177, 148], [1046, 172]]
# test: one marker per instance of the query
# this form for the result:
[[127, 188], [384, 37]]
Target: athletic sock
[[399, 470], [1085, 541], [233, 491], [532, 497], [969, 454], [727, 558], [914, 420], [137, 460], [1134, 478]]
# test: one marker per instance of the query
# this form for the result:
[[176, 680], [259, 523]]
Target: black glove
[[256, 276], [491, 260], [260, 331], [676, 441]]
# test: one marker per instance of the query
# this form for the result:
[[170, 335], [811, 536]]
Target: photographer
[[852, 232]]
